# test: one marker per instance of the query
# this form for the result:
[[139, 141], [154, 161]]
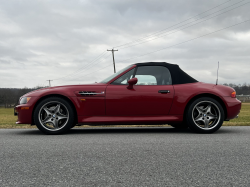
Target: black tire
[[179, 126], [54, 115], [73, 125], [201, 119]]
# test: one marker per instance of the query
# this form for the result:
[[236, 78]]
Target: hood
[[67, 90]]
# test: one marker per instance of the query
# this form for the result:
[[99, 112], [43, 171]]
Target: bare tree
[[9, 97]]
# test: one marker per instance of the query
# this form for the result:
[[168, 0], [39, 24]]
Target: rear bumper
[[233, 107]]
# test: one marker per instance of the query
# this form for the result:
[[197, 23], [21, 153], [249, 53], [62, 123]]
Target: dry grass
[[244, 117], [7, 119]]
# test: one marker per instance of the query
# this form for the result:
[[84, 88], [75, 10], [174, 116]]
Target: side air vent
[[89, 93]]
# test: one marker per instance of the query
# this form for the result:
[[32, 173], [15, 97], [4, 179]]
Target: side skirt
[[121, 120]]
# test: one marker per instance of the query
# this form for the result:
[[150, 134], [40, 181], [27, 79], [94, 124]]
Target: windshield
[[114, 75]]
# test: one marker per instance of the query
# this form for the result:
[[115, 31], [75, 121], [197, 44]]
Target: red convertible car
[[142, 93]]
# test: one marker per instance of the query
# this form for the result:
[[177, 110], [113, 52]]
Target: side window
[[123, 80], [146, 80], [153, 75]]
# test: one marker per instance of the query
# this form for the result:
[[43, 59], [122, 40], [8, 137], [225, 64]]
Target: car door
[[151, 96], [91, 99]]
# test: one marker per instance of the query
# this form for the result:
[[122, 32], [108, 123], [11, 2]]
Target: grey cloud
[[51, 39]]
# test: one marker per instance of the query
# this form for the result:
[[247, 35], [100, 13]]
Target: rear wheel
[[54, 115], [205, 115]]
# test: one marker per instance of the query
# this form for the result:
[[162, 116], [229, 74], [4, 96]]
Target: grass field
[[7, 118], [244, 117]]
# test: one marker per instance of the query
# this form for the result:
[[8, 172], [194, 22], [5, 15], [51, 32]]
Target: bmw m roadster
[[142, 93]]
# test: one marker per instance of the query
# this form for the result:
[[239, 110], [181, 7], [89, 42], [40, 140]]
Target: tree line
[[241, 89], [9, 97]]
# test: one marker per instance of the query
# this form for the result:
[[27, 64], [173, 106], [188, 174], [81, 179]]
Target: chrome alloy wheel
[[53, 115], [206, 115]]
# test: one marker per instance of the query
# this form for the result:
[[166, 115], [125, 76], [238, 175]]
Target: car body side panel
[[91, 105], [233, 107], [129, 119], [142, 100], [185, 92], [92, 108], [25, 111], [97, 107]]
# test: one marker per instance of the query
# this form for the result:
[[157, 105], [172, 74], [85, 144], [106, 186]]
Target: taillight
[[233, 94]]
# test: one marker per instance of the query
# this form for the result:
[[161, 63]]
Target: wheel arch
[[217, 98], [55, 95]]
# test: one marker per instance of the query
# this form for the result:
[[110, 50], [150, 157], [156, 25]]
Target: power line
[[172, 25], [160, 34], [94, 71], [91, 72], [79, 69], [171, 46], [185, 41], [93, 65], [163, 30], [90, 65], [113, 57], [169, 32]]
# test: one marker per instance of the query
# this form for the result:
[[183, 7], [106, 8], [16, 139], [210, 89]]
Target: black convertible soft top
[[177, 74]]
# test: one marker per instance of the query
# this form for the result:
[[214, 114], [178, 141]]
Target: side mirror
[[132, 82]]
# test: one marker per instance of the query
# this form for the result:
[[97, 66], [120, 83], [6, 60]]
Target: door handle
[[163, 91]]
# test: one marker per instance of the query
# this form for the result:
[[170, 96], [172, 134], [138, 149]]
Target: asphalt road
[[125, 157]]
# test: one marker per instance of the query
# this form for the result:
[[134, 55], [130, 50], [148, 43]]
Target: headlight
[[25, 100]]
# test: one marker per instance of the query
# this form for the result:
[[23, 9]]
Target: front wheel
[[205, 115], [54, 115]]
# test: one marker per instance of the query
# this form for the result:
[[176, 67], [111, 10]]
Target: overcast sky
[[67, 41]]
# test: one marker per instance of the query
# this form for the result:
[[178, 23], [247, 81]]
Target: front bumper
[[24, 112]]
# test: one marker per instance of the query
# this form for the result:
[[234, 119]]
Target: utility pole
[[113, 57], [49, 82]]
